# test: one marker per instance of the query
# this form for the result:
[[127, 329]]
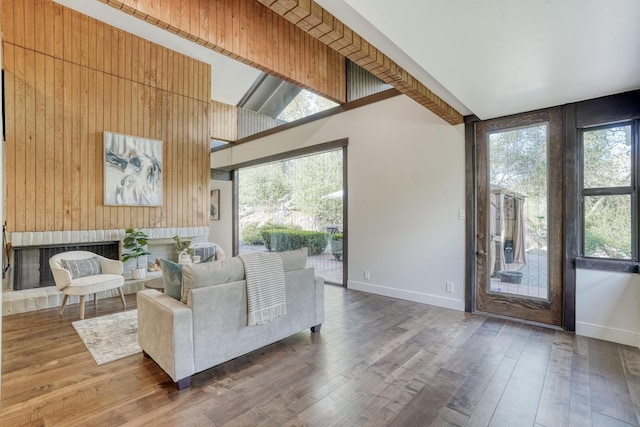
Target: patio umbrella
[[334, 195]]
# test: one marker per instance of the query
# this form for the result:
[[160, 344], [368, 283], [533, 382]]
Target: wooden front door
[[519, 216]]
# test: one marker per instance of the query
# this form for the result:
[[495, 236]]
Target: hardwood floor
[[377, 361]]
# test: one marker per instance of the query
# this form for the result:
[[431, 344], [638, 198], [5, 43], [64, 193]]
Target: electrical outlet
[[367, 275], [450, 287]]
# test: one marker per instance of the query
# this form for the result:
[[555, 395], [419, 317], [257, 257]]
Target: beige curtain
[[519, 233], [492, 234]]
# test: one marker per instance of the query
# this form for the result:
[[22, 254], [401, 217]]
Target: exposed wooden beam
[[249, 32], [310, 17]]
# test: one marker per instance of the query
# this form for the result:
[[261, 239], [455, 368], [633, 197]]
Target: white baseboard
[[605, 333], [452, 303]]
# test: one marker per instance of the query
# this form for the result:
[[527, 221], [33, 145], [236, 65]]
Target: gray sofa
[[208, 326]]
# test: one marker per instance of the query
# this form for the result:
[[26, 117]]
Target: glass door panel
[[518, 169], [518, 207]]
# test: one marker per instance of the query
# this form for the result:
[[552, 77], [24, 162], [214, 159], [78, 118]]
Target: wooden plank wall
[[68, 78], [248, 31], [224, 121]]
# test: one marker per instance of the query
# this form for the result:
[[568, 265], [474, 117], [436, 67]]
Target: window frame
[[602, 263]]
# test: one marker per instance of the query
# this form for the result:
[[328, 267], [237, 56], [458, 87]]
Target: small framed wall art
[[215, 205]]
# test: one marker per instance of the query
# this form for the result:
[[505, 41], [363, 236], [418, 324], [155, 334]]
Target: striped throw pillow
[[82, 267]]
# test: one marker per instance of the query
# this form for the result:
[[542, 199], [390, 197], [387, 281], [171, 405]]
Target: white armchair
[[206, 249], [82, 273]]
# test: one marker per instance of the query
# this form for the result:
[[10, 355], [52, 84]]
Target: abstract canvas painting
[[132, 170]]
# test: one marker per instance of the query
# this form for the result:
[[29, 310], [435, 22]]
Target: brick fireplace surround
[[20, 301]]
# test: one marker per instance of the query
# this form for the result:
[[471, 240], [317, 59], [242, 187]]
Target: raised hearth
[[30, 250]]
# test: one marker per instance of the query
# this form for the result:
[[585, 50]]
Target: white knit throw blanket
[[266, 297]]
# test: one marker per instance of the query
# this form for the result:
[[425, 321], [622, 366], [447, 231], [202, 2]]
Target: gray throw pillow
[[294, 260], [205, 252], [82, 267], [210, 259], [172, 278]]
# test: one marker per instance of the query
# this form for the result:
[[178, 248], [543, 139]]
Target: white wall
[[405, 187], [220, 230], [607, 306]]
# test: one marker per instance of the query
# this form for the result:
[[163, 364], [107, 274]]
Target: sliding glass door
[[294, 203]]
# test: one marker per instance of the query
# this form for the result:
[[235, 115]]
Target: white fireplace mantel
[[41, 238]]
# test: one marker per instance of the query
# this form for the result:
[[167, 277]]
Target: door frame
[[555, 118], [342, 144]]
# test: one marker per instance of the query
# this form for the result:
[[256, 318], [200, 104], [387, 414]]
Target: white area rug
[[111, 337]]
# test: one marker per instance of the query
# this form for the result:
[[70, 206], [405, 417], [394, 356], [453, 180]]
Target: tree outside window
[[608, 195]]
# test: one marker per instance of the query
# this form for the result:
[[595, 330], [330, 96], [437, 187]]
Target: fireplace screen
[[32, 263]]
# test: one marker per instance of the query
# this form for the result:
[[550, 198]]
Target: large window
[[295, 203], [609, 185]]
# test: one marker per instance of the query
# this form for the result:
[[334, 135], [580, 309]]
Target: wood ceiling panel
[[251, 33]]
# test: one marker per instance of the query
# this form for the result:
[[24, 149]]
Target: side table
[[155, 283]]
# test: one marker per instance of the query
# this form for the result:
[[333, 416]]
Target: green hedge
[[280, 240], [251, 234]]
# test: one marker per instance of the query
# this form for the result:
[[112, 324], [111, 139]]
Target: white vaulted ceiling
[[500, 57]]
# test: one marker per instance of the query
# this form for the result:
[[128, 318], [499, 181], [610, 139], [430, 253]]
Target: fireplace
[[31, 250], [31, 263]]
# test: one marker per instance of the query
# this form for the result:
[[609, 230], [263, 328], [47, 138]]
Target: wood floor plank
[[553, 408], [631, 366], [377, 362], [449, 417], [519, 402], [610, 394], [425, 406], [580, 394], [475, 385]]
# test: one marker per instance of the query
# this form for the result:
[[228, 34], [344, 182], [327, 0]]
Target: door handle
[[481, 253]]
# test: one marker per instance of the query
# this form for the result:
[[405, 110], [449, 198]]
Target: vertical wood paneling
[[30, 137], [106, 122], [49, 26], [19, 168], [75, 152], [19, 11], [83, 153], [40, 138], [238, 29], [224, 121], [8, 26], [92, 141], [81, 79], [8, 59], [65, 145], [173, 151], [98, 147], [58, 102], [50, 150]]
